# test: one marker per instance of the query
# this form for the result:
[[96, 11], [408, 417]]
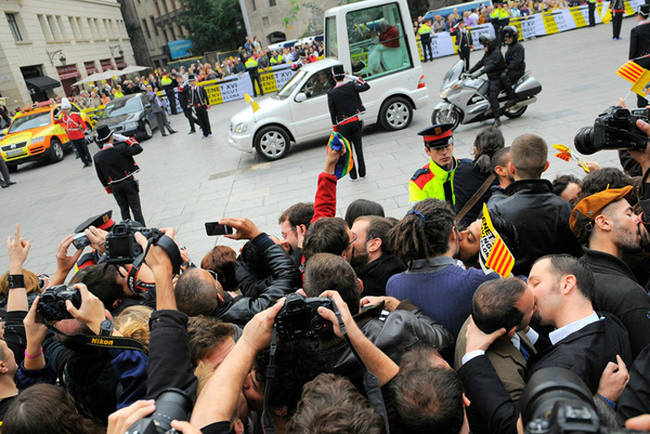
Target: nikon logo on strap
[[102, 342]]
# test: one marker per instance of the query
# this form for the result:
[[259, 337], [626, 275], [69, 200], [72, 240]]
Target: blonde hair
[[133, 322], [31, 283]]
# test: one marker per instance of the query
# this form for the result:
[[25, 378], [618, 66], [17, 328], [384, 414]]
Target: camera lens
[[584, 141], [172, 404]]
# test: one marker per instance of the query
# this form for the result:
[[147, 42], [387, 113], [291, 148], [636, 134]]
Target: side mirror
[[301, 97], [147, 106]]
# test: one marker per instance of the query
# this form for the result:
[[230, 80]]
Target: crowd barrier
[[531, 26]]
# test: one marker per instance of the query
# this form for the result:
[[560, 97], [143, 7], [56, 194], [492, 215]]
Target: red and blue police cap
[[100, 221], [437, 136]]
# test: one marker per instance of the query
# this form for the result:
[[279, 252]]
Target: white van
[[373, 39]]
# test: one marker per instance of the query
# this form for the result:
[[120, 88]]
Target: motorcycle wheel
[[451, 116], [514, 113]]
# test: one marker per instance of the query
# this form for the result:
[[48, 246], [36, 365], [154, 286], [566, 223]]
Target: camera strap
[[108, 342], [171, 249], [370, 382]]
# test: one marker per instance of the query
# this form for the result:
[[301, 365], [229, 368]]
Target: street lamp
[[51, 54]]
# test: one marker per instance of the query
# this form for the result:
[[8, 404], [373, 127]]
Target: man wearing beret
[[436, 179]]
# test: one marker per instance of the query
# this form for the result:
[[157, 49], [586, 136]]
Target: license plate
[[15, 152]]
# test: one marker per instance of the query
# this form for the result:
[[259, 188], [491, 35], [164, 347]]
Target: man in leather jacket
[[515, 65], [493, 65]]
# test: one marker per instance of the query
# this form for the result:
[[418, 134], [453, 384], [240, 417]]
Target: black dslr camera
[[121, 246], [613, 129], [557, 401], [299, 318], [172, 404], [51, 305]]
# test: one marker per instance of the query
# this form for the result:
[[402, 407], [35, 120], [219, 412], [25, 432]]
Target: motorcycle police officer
[[515, 65], [435, 180], [640, 44], [493, 65]]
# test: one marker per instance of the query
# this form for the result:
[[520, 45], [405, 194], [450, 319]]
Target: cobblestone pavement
[[186, 181]]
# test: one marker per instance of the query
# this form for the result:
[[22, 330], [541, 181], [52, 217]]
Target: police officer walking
[[640, 44], [345, 106], [618, 8], [254, 74], [168, 85], [115, 168], [463, 41], [515, 64], [436, 179], [493, 65], [591, 5], [75, 127], [425, 41]]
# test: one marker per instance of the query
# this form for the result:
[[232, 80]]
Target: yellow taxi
[[33, 135]]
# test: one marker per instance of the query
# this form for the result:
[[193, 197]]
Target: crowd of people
[[362, 324]]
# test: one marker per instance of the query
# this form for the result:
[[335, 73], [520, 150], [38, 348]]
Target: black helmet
[[510, 31], [487, 41]]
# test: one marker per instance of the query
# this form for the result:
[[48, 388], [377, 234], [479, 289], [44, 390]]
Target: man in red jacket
[[75, 127]]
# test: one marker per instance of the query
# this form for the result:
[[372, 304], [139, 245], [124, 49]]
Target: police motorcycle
[[464, 98]]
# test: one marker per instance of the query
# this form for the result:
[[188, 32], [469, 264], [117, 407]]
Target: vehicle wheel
[[148, 132], [516, 113], [13, 168], [451, 116], [56, 150], [396, 114], [272, 142]]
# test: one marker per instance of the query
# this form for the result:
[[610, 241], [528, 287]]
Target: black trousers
[[617, 21], [494, 87], [4, 171], [161, 120], [464, 56], [507, 80], [255, 77], [352, 132], [81, 147], [171, 97], [204, 120], [496, 23], [592, 11], [190, 118], [425, 41], [127, 195]]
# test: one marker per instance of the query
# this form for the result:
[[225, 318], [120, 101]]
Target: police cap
[[437, 136], [644, 10], [101, 221]]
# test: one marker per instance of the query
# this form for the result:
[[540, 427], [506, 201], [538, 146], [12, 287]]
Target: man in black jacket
[[183, 98], [617, 8], [345, 106], [640, 44], [606, 223], [372, 261], [493, 65], [463, 42], [115, 168], [198, 101], [540, 217], [515, 65]]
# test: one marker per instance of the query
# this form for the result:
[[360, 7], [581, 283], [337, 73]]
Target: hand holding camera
[[35, 331], [328, 313], [245, 229], [257, 332], [97, 238], [90, 312], [65, 262]]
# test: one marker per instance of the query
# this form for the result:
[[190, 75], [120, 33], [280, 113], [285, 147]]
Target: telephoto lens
[[172, 404]]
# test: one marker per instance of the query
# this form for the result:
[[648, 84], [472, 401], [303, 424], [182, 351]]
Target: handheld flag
[[252, 102], [345, 163], [493, 254], [638, 76], [566, 155]]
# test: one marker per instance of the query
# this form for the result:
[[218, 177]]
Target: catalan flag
[[500, 259], [631, 71], [493, 253]]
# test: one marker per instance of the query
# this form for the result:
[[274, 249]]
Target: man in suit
[[198, 101], [463, 42], [345, 106], [640, 44], [115, 168], [509, 304], [183, 97], [158, 111]]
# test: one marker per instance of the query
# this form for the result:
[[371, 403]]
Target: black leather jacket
[[240, 310]]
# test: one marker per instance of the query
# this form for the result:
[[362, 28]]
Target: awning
[[42, 83]]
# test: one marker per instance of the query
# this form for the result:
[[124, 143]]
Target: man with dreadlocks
[[427, 240]]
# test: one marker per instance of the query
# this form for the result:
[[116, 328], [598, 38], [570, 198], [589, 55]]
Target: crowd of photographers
[[362, 324]]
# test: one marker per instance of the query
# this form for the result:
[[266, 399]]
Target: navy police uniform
[[101, 221]]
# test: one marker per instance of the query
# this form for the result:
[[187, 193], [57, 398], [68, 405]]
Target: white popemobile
[[355, 36]]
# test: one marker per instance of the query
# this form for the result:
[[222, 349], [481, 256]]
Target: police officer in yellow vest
[[436, 179], [425, 40], [251, 68], [168, 85], [591, 4]]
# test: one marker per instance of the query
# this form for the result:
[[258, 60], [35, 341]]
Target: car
[[33, 135], [299, 111], [130, 116]]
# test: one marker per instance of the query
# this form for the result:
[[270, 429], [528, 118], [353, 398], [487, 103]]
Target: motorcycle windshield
[[452, 75]]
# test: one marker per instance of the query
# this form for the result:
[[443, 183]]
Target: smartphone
[[80, 241], [214, 228]]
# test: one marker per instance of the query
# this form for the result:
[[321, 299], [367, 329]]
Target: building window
[[165, 6], [254, 6], [73, 26], [165, 35], [155, 2], [82, 29], [59, 23], [13, 25], [155, 27], [145, 26], [272, 3], [173, 32]]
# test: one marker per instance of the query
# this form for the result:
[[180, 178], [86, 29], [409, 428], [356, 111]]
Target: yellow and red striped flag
[[631, 71], [493, 253]]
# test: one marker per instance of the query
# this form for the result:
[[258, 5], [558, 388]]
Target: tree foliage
[[214, 25]]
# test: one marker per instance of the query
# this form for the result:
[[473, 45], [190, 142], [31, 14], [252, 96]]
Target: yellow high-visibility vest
[[424, 28]]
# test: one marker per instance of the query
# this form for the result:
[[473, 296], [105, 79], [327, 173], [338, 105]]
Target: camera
[[80, 241], [557, 401], [121, 246], [613, 129], [299, 318], [51, 306], [172, 404]]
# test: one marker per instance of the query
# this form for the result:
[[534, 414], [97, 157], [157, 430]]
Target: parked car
[[33, 135], [130, 116], [298, 112]]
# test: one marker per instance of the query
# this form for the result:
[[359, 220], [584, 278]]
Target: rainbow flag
[[493, 254], [345, 162]]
